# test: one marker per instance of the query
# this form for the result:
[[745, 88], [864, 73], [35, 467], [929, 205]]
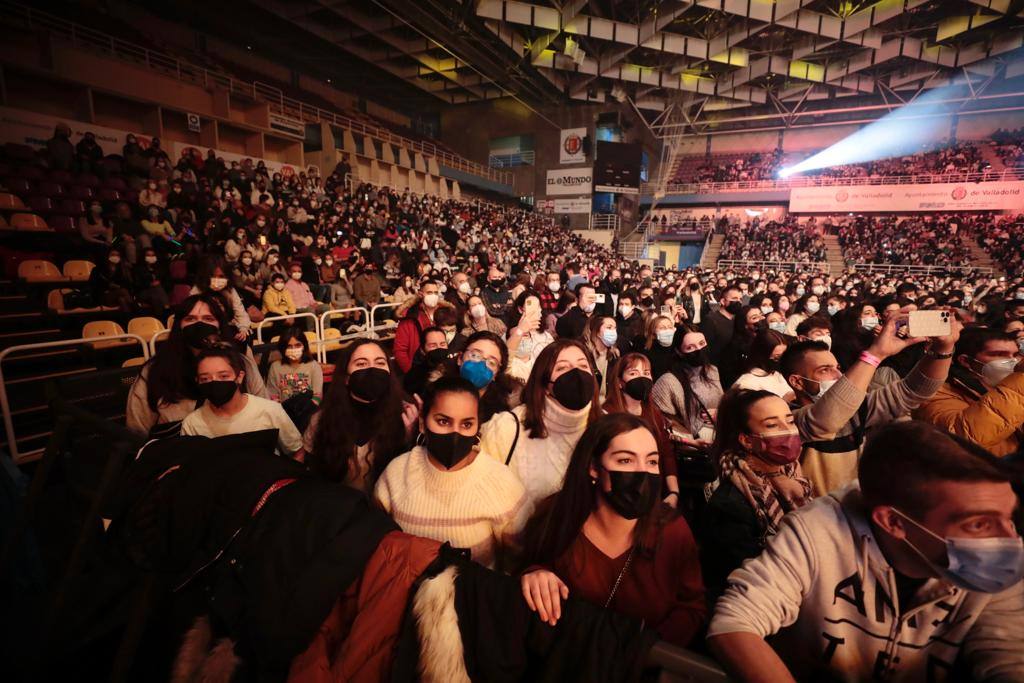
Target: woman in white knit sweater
[[442, 489], [536, 439]]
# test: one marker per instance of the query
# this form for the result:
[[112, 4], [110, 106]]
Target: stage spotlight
[[785, 173]]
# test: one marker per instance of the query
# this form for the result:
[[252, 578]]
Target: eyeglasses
[[475, 355]]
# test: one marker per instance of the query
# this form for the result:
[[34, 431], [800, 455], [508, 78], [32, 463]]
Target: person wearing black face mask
[[718, 326], [227, 409], [166, 391], [428, 363], [496, 295], [629, 391], [443, 490], [363, 422], [605, 538]]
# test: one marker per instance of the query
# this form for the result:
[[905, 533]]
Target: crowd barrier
[[918, 269], [374, 327], [776, 265], [5, 406], [324, 322]]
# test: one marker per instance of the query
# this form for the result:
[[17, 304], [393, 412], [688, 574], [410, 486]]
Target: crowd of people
[[771, 240], [742, 167], [758, 464], [934, 239]]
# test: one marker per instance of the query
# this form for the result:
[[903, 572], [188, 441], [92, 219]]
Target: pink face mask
[[779, 449]]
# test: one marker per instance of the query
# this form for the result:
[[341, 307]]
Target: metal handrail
[[5, 406], [275, 318], [829, 181], [374, 328], [278, 102], [321, 351], [782, 265], [153, 340], [917, 269]]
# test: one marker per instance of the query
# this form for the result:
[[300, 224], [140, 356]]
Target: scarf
[[771, 496]]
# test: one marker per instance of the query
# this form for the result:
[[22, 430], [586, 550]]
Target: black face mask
[[694, 286], [574, 389], [639, 388], [695, 359], [197, 335], [369, 384], [734, 307], [218, 392], [647, 302], [633, 494], [435, 357], [448, 449], [496, 284]]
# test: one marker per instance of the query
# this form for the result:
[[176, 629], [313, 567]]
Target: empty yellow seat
[[331, 337], [28, 222], [78, 271], [145, 326], [97, 329], [38, 270], [133, 362]]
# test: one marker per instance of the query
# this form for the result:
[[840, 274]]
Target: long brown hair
[[535, 394], [334, 444], [559, 518], [592, 335], [615, 402]]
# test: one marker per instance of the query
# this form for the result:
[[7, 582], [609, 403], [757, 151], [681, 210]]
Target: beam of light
[[899, 133]]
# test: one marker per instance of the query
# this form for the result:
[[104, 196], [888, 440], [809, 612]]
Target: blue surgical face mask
[[477, 372], [985, 565], [779, 327], [665, 337], [609, 337]]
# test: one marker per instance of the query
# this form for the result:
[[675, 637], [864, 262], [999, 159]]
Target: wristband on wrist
[[871, 359]]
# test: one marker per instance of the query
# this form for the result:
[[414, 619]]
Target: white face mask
[[995, 371], [293, 354], [818, 290], [625, 311], [869, 323], [813, 307], [430, 300], [151, 259], [823, 386], [477, 311], [279, 286], [765, 310], [297, 275], [825, 339], [218, 283], [464, 287], [554, 286]]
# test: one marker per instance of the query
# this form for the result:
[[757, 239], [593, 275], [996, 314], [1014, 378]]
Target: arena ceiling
[[684, 64]]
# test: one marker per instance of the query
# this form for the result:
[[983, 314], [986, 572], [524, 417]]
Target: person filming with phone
[[983, 399]]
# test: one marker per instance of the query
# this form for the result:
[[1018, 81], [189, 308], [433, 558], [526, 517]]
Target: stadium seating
[[97, 329], [29, 222], [36, 271], [78, 271]]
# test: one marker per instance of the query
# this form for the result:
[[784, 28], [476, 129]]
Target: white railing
[[633, 250], [707, 245], [374, 327], [5, 406], [325, 319], [827, 181], [917, 269], [293, 316], [776, 265], [510, 160], [604, 221], [279, 103]]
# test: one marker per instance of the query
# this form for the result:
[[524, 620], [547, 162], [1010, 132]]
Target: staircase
[[834, 254], [980, 257], [710, 256]]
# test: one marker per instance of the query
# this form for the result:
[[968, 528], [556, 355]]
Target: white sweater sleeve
[[993, 645], [765, 593]]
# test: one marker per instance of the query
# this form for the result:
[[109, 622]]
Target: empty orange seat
[[97, 329], [10, 202], [28, 222], [38, 270], [78, 271]]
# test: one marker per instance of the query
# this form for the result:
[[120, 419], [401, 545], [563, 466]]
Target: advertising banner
[[32, 129], [993, 196], [574, 205], [570, 146], [569, 181]]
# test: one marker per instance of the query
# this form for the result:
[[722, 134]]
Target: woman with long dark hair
[[605, 538], [363, 423], [855, 330], [166, 390], [762, 368], [757, 448], [689, 394], [559, 400], [735, 357], [629, 391]]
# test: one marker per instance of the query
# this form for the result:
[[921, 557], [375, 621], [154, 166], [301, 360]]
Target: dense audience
[[785, 240], [759, 464]]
